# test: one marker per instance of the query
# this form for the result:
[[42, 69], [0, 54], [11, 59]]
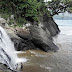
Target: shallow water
[[60, 61], [39, 61]]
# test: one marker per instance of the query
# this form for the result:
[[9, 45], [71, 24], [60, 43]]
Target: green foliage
[[70, 9], [30, 10], [59, 6], [69, 2], [24, 10], [4, 15]]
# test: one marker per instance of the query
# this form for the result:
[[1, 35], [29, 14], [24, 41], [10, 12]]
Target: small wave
[[21, 60], [49, 68], [18, 52]]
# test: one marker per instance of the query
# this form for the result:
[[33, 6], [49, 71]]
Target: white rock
[[27, 25], [12, 16], [2, 21]]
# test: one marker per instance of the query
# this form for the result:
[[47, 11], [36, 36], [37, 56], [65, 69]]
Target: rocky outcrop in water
[[41, 39], [22, 44], [35, 36], [49, 25]]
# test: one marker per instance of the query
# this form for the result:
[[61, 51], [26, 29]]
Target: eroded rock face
[[35, 37], [50, 25], [23, 32], [40, 38], [22, 45]]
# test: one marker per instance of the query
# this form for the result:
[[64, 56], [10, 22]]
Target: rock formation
[[35, 36]]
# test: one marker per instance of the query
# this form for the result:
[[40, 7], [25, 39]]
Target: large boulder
[[34, 37], [40, 39], [23, 32], [22, 45], [20, 38], [50, 24], [2, 22]]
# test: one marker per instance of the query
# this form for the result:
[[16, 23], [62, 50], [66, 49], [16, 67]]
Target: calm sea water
[[65, 26], [64, 22]]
